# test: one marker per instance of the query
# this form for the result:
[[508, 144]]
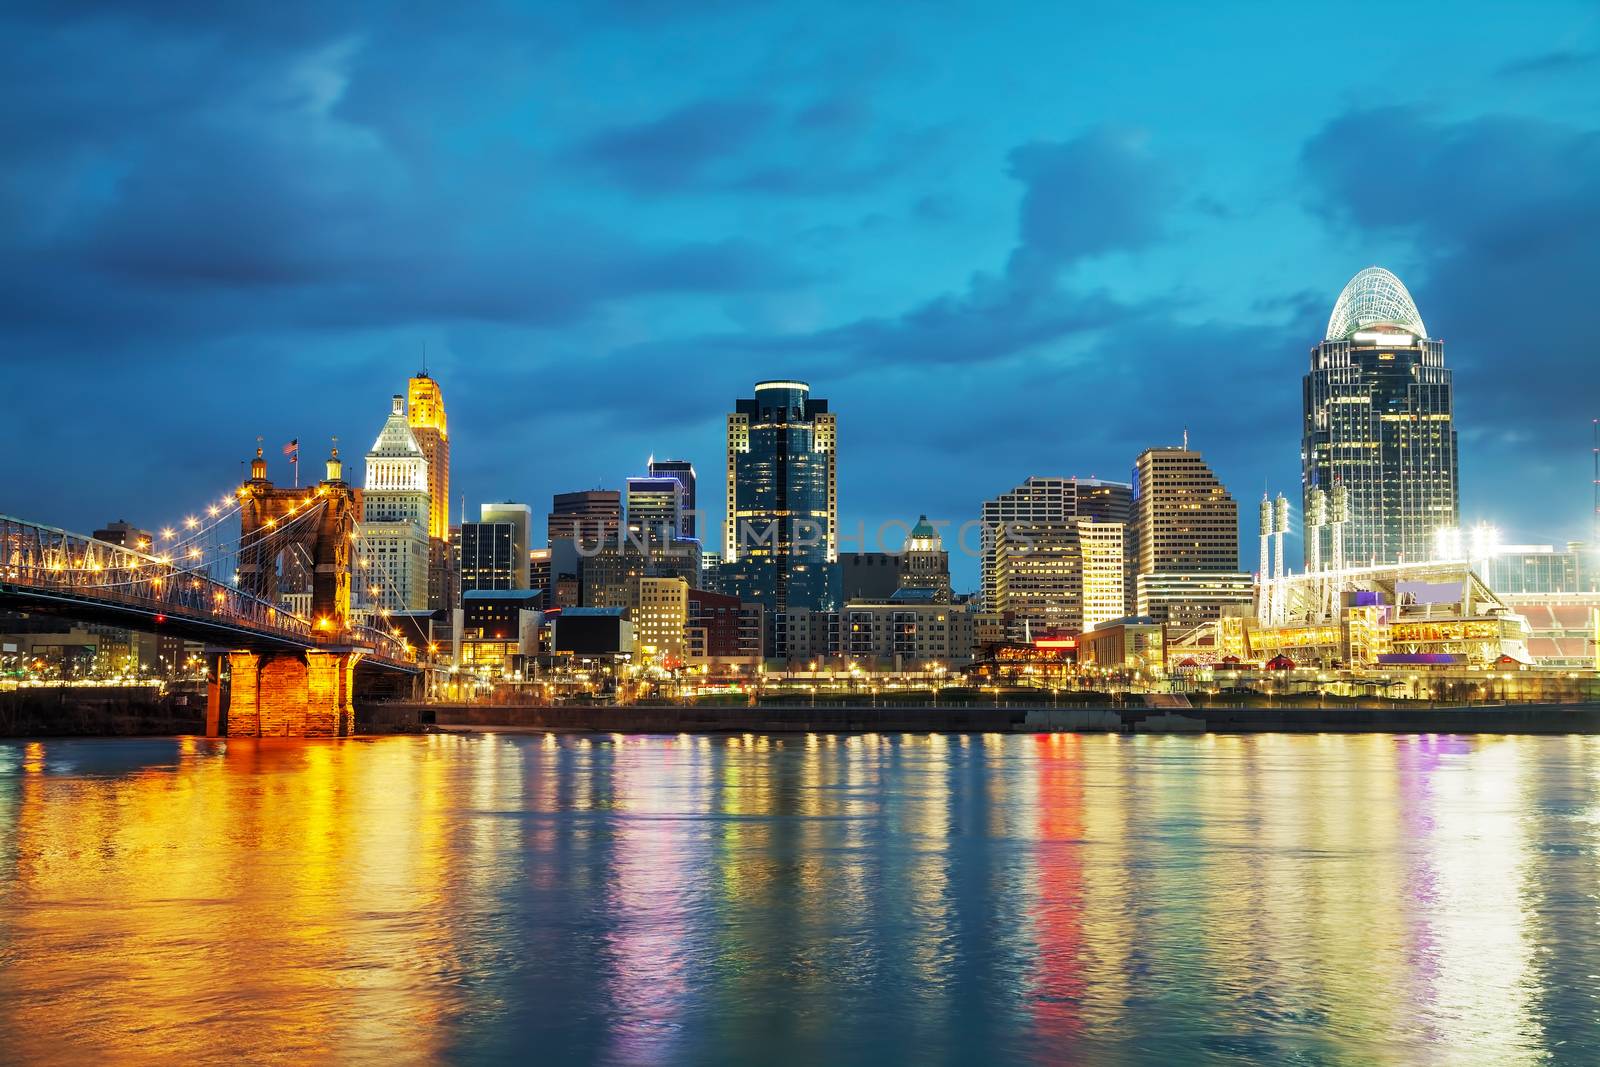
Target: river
[[824, 899]]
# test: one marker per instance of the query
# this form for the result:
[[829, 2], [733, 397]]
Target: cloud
[[832, 145], [1561, 62], [1101, 192], [1503, 216]]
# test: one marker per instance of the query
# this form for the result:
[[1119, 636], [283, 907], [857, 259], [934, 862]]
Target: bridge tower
[[297, 694], [273, 520]]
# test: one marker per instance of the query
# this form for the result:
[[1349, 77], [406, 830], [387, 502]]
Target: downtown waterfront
[[801, 899]]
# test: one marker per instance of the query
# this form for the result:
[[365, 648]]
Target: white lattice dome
[[1374, 297]]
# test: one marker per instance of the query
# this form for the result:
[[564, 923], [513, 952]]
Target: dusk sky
[[1001, 240]]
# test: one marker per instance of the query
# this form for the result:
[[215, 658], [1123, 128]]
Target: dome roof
[[1374, 297]]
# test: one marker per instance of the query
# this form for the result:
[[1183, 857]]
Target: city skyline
[[927, 274]]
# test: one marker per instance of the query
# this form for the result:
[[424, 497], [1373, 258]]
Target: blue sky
[[1001, 240]]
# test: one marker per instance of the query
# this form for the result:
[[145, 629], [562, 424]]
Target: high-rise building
[[395, 508], [654, 508], [1187, 521], [1055, 500], [1038, 576], [1379, 423], [682, 470], [1104, 575], [1186, 526], [592, 516], [782, 531], [924, 563], [425, 415], [494, 550]]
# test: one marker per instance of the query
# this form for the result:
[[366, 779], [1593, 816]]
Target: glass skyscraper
[[781, 536], [1379, 422]]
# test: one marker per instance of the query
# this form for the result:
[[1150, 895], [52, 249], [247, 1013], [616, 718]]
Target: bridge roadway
[[46, 570]]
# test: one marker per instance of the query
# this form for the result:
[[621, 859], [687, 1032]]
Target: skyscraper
[[924, 563], [425, 414], [494, 550], [682, 470], [654, 508], [1053, 500], [394, 518], [1379, 422], [593, 516], [782, 530], [1187, 532]]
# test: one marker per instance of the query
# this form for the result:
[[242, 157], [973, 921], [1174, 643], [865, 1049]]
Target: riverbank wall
[[1493, 719]]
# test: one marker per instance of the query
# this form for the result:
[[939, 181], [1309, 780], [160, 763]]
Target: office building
[[925, 565], [494, 550], [719, 632], [1038, 576], [683, 471], [1100, 545], [906, 636], [395, 509], [654, 509], [659, 609], [1186, 528], [426, 417], [781, 533], [592, 516], [1378, 410], [1053, 500]]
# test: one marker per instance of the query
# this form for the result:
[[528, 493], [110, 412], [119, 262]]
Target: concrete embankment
[[1506, 719]]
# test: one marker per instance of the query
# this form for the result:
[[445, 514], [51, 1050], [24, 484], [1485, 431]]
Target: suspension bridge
[[215, 578]]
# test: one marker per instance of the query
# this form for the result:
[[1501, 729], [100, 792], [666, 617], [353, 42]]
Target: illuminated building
[[1104, 588], [1378, 423], [499, 631], [719, 633], [904, 635], [1541, 569], [1426, 614], [654, 508], [395, 507], [925, 565], [540, 573], [494, 550], [1133, 643], [426, 417], [1188, 600], [1055, 500], [1038, 576], [1186, 527], [659, 609], [781, 533], [682, 470]]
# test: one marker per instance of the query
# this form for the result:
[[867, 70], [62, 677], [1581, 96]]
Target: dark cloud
[[1561, 62], [1504, 215], [744, 144], [678, 148], [1101, 192]]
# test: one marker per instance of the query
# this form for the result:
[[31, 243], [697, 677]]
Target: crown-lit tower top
[[1374, 297]]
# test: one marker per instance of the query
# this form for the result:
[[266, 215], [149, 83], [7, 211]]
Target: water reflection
[[802, 899]]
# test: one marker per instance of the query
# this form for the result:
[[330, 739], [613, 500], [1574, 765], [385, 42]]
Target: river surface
[[832, 900]]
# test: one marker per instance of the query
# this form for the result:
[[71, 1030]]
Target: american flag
[[292, 450]]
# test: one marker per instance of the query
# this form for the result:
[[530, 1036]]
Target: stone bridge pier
[[292, 694]]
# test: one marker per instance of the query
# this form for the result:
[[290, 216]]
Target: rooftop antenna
[[1595, 539], [1186, 438], [424, 358]]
